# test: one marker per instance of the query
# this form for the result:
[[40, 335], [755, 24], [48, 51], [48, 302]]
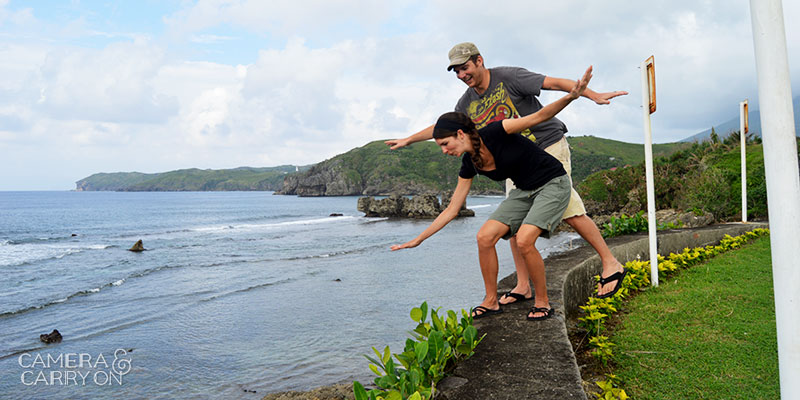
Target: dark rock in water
[[74, 234], [138, 246], [421, 206], [337, 280], [336, 215], [52, 337]]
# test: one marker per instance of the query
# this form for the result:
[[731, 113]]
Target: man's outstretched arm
[[425, 134], [565, 85]]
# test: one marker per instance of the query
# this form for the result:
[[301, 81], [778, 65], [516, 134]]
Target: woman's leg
[[488, 235], [523, 286], [526, 242]]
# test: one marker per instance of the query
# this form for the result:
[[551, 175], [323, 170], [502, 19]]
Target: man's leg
[[576, 217], [488, 235], [589, 232]]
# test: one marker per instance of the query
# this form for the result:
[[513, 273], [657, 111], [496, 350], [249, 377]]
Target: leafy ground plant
[[435, 347], [631, 224]]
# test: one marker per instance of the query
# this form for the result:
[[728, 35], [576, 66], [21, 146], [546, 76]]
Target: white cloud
[[113, 84], [314, 18], [315, 79]]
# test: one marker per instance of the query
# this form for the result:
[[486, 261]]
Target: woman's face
[[453, 145]]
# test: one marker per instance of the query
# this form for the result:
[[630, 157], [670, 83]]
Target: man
[[510, 92]]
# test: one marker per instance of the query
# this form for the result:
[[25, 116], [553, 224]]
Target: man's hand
[[406, 245], [603, 98], [395, 144]]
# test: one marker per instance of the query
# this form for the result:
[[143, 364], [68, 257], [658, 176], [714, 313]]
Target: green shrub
[[435, 346]]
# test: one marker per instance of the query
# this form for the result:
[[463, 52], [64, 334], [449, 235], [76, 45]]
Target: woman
[[531, 210]]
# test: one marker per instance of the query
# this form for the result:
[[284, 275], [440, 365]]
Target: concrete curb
[[522, 359]]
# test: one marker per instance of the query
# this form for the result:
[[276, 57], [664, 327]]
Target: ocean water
[[239, 294]]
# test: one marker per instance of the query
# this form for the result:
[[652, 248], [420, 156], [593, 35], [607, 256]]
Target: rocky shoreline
[[425, 206]]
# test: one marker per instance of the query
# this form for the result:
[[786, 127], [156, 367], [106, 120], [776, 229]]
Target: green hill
[[591, 154], [703, 177], [244, 178], [372, 169]]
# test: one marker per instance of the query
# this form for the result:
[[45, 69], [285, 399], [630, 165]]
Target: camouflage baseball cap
[[461, 53]]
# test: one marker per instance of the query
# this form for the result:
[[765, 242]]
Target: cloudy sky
[[152, 86]]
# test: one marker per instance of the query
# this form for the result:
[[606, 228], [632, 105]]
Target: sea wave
[[249, 288], [311, 221], [27, 253], [56, 301], [249, 226], [27, 240]]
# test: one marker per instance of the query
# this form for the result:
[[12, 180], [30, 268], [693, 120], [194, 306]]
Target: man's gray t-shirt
[[511, 94]]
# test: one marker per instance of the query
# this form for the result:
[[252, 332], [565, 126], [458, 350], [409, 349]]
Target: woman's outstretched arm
[[449, 213], [517, 125]]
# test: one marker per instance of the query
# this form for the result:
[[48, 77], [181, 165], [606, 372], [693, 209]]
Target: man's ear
[[479, 61]]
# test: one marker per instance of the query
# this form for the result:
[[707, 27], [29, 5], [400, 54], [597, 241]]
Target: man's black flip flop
[[518, 298], [616, 276]]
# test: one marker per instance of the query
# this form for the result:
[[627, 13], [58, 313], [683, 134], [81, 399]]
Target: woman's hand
[[581, 84], [406, 245]]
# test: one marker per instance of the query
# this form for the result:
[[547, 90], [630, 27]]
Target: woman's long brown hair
[[468, 128]]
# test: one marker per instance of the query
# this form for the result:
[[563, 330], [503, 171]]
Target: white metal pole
[[783, 184], [743, 141], [648, 163]]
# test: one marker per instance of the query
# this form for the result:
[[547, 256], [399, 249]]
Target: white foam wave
[[311, 221], [32, 252], [481, 206], [117, 283]]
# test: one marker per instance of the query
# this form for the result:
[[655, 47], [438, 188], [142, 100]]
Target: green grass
[[705, 333]]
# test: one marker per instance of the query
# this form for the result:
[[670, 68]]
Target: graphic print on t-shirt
[[495, 105]]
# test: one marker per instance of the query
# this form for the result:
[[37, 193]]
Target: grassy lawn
[[705, 333]]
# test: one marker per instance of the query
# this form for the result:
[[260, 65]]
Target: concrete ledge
[[521, 359]]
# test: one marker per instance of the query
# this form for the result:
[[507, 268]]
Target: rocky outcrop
[[684, 219], [333, 178], [137, 247], [322, 180], [421, 206], [376, 170], [677, 218], [52, 337]]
